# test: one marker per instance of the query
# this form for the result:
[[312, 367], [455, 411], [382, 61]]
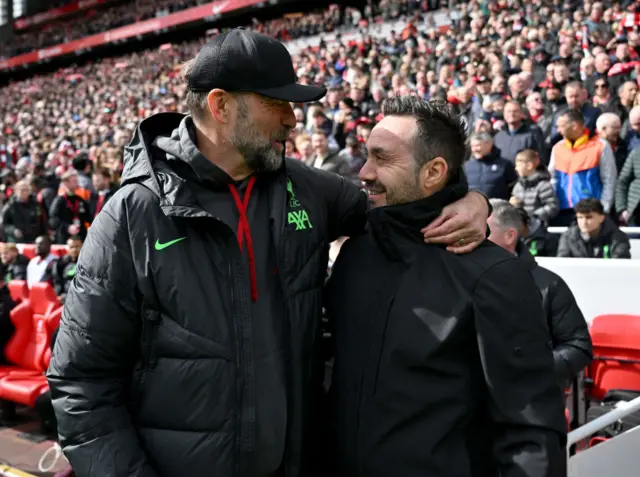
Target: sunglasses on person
[[601, 85]]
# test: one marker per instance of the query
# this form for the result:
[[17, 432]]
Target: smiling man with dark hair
[[443, 364]]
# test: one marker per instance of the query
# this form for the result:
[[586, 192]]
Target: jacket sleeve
[[608, 175], [346, 207], [620, 246], [550, 207], [563, 245], [572, 349], [94, 354], [524, 400], [552, 170], [627, 175], [54, 214]]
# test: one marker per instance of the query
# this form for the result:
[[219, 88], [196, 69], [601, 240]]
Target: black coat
[[17, 270], [572, 349], [65, 211], [443, 363], [28, 217], [153, 373]]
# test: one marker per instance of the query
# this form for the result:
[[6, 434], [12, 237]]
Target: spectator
[[595, 235], [355, 155], [632, 136], [608, 127], [69, 215], [487, 171], [540, 115], [64, 270], [326, 159], [15, 264], [533, 191], [536, 238], [82, 165], [23, 219], [576, 97], [40, 267], [6, 305], [580, 167], [104, 190], [518, 135], [628, 190], [572, 349]]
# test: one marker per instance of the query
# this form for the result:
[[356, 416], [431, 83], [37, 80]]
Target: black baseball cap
[[246, 61]]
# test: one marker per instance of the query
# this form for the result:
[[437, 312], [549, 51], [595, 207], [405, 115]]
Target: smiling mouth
[[374, 192]]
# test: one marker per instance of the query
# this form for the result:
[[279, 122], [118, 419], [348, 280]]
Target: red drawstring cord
[[244, 231]]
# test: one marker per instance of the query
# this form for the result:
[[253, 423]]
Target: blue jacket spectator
[[518, 135], [487, 171]]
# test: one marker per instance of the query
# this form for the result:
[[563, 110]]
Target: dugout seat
[[29, 349], [19, 290], [616, 355]]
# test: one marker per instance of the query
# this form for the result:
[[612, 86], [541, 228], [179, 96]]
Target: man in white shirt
[[43, 261]]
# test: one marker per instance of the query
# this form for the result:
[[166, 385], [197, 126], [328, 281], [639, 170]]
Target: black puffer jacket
[[611, 243], [153, 373], [572, 349]]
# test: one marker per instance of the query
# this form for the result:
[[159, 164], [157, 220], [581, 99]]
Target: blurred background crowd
[[549, 90]]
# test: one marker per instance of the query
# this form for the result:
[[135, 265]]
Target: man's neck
[[222, 154], [514, 126]]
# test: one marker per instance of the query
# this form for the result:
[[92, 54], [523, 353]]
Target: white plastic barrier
[[600, 286], [631, 231]]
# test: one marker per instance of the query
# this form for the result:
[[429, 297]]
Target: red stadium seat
[[29, 349], [59, 250], [616, 352], [27, 250], [19, 290]]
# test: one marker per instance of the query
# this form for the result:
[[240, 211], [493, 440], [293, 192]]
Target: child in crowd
[[595, 235], [533, 192]]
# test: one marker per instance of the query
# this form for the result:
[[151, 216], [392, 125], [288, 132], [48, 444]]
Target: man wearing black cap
[[188, 344]]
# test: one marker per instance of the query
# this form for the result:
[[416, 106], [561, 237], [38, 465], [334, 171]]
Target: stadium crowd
[[549, 91]]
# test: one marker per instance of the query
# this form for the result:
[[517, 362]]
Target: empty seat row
[[35, 318]]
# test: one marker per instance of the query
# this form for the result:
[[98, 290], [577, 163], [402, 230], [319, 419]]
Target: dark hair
[[441, 133], [573, 116], [76, 238], [322, 132], [81, 161], [589, 206]]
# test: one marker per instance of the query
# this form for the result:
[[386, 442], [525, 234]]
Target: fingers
[[441, 219], [468, 246], [445, 225]]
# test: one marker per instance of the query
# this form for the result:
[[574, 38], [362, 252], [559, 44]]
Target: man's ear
[[512, 235], [219, 102], [433, 174]]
